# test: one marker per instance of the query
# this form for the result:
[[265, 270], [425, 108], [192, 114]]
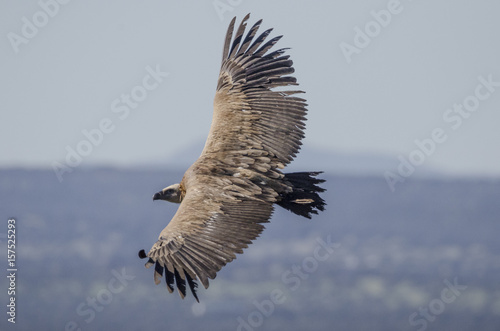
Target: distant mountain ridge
[[308, 158]]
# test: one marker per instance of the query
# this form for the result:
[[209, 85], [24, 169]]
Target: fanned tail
[[304, 199]]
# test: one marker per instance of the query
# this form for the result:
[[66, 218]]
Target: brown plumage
[[228, 193]]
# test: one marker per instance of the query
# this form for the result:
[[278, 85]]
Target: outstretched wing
[[215, 221], [249, 113]]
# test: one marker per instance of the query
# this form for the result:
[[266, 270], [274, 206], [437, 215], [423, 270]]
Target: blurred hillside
[[393, 255]]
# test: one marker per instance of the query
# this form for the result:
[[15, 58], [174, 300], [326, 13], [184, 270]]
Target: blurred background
[[104, 104]]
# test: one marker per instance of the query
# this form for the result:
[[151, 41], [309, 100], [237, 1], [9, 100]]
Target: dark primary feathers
[[230, 190]]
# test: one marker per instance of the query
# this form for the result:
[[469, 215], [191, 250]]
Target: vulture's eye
[[169, 191]]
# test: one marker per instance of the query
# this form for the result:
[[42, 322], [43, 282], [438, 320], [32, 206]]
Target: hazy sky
[[379, 75]]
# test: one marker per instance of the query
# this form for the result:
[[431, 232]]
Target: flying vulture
[[230, 191]]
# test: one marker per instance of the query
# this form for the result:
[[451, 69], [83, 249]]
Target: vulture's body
[[231, 189]]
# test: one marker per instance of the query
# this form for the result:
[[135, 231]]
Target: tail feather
[[304, 199]]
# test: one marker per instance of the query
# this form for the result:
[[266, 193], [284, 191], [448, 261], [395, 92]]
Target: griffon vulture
[[231, 189]]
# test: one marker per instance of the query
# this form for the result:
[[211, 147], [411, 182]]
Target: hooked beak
[[158, 196]]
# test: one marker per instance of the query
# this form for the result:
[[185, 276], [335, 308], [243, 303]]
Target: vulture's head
[[171, 193]]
